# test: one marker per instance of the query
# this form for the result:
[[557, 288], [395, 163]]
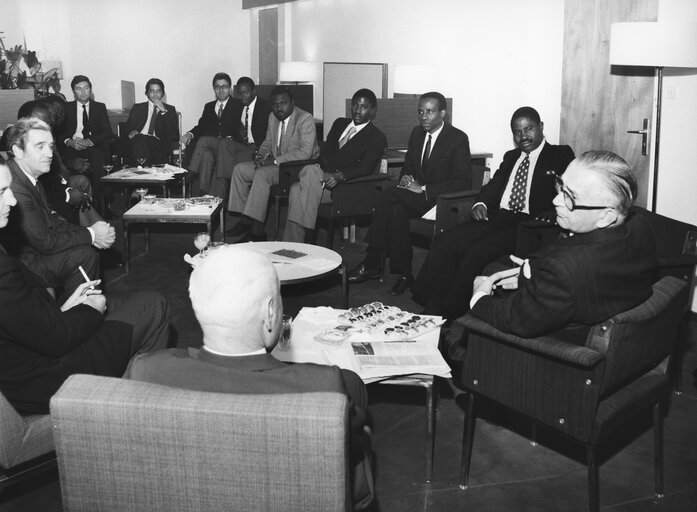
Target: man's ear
[[608, 218], [17, 151]]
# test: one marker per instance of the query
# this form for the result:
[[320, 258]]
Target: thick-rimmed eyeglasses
[[569, 201]]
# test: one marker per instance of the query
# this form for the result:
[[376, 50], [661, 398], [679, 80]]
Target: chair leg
[[330, 234], [593, 492], [431, 393], [658, 449], [467, 440], [278, 217]]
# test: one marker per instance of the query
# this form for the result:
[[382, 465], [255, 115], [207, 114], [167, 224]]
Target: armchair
[[452, 208], [583, 392], [26, 444], [126, 445]]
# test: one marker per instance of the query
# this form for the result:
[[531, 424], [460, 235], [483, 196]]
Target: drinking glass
[[141, 192], [141, 161], [286, 332], [201, 241]]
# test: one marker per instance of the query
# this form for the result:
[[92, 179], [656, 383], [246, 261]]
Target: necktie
[[347, 137], [517, 201], [40, 190], [427, 153], [246, 125], [220, 111], [85, 123], [153, 121], [280, 138]]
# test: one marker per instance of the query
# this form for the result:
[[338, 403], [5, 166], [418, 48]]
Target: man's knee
[[243, 171], [80, 182]]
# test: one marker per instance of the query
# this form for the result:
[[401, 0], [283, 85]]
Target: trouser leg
[[303, 201], [258, 199]]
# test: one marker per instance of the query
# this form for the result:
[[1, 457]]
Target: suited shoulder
[[301, 114], [455, 133]]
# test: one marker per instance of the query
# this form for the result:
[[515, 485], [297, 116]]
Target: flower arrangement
[[21, 69]]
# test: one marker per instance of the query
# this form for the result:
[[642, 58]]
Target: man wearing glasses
[[520, 190], [220, 120], [603, 267]]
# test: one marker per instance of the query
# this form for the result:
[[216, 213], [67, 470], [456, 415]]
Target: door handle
[[644, 136]]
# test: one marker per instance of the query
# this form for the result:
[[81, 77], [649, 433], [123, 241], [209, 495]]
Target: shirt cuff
[[475, 298], [67, 194], [91, 233], [480, 202]]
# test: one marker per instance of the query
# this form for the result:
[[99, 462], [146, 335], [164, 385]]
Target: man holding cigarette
[[42, 343], [51, 247]]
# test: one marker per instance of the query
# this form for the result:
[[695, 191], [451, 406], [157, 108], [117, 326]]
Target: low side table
[[162, 211]]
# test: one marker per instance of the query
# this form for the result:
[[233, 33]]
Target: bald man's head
[[235, 294]]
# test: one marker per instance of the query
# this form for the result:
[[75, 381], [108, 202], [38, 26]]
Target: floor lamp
[[656, 45]]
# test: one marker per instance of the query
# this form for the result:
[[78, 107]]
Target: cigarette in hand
[[86, 277]]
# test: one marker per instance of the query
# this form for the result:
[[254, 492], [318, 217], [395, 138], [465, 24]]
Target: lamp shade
[[411, 79], [654, 44], [297, 71]]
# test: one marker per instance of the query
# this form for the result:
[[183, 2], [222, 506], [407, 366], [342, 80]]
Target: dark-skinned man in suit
[[520, 190], [254, 121], [438, 160], [152, 126]]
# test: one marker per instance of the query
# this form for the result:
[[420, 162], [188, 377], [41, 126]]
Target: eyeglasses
[[221, 87], [569, 201]]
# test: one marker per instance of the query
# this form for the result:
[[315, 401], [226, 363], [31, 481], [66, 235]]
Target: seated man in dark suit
[[51, 247], [42, 343], [444, 283], [152, 126], [291, 135], [220, 120], [235, 294], [87, 132], [254, 122], [354, 146], [599, 268], [438, 160]]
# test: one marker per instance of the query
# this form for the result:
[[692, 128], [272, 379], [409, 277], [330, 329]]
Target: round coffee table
[[299, 263]]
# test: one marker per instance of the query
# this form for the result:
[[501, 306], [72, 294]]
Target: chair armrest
[[363, 179], [288, 173], [546, 345], [453, 208]]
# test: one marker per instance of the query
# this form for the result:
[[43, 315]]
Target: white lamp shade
[[671, 45], [297, 71], [410, 79]]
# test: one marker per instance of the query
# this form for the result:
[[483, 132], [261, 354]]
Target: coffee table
[[163, 211], [132, 177], [304, 348], [311, 262]]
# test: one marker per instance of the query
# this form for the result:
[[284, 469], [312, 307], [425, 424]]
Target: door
[[600, 103]]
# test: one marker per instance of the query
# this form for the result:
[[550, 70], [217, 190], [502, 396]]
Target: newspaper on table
[[369, 352]]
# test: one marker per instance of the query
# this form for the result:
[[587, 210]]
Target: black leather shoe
[[360, 273], [241, 228], [400, 286]]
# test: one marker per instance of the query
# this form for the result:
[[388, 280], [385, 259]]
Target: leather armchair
[[126, 445], [585, 392]]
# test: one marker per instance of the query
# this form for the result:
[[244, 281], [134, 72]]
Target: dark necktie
[[41, 192], [517, 201], [427, 153], [220, 111], [85, 123], [153, 121], [280, 139], [246, 125]]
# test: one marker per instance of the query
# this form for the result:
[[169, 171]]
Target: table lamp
[[296, 72], [657, 45]]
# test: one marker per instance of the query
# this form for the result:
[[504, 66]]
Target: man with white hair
[[235, 294], [604, 265]]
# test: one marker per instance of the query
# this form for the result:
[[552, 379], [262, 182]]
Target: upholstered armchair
[[26, 444], [585, 392], [132, 446]]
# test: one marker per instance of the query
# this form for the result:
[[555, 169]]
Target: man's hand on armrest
[[479, 212]]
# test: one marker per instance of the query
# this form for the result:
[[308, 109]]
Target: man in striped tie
[[520, 190]]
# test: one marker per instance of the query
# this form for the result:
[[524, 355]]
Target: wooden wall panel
[[599, 102]]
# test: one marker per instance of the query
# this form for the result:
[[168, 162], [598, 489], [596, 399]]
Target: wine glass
[[286, 331], [201, 241], [141, 160], [141, 192]]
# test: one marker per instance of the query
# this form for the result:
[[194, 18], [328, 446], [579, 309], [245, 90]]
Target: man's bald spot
[[230, 284]]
